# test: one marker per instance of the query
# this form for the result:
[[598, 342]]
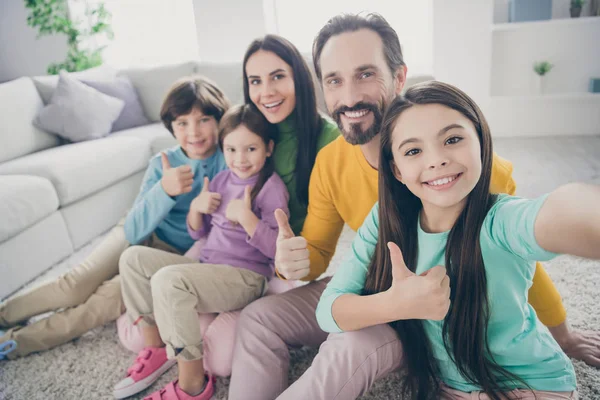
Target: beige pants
[[452, 394], [88, 296], [169, 290]]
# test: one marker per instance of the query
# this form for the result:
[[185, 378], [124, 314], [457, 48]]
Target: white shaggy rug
[[88, 367]]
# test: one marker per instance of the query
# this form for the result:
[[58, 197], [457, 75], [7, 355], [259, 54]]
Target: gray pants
[[345, 368]]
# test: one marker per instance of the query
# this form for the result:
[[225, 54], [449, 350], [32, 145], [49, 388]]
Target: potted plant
[[53, 17], [576, 6], [541, 69]]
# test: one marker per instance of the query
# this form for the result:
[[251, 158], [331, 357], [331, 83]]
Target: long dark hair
[[252, 119], [465, 326], [308, 121]]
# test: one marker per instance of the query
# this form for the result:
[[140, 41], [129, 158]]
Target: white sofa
[[56, 197]]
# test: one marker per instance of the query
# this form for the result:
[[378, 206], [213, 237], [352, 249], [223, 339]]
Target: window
[[148, 32]]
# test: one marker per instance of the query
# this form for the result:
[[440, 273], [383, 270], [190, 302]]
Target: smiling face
[[437, 155], [196, 133], [245, 152], [357, 83], [271, 85]]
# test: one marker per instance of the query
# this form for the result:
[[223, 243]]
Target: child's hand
[[417, 297], [176, 181], [237, 207], [206, 202], [292, 256]]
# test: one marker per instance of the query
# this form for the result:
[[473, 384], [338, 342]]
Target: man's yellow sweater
[[343, 189]]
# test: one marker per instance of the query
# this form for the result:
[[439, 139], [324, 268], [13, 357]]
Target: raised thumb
[[205, 184], [285, 230], [248, 196], [165, 161], [399, 268]]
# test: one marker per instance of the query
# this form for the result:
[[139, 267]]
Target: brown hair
[[465, 326], [353, 22], [193, 92], [308, 122], [256, 122]]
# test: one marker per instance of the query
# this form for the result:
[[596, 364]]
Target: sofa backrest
[[152, 84], [19, 104]]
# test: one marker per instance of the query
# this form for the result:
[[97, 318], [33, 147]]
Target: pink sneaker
[[173, 392], [149, 365]]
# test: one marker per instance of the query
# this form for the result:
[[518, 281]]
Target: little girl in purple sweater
[[235, 213]]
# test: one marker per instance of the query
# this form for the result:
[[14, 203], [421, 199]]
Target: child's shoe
[[6, 346], [149, 365], [173, 392]]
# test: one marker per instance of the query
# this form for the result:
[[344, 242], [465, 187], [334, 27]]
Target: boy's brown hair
[[193, 92]]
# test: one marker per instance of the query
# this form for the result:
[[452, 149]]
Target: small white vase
[[539, 84]]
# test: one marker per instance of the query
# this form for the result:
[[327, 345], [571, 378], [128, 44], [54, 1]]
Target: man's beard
[[355, 134]]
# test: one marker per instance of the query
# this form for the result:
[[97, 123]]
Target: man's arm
[[323, 224]]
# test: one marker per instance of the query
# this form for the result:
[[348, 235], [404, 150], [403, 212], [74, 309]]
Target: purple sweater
[[228, 243]]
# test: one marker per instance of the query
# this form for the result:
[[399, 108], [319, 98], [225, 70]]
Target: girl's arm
[[262, 233], [151, 206], [569, 221], [343, 308], [201, 208]]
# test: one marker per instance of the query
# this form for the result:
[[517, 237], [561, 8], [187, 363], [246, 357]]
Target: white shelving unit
[[547, 24], [565, 106], [492, 61]]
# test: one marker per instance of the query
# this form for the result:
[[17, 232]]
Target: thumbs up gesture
[[237, 207], [411, 296], [291, 257], [176, 181], [206, 202]]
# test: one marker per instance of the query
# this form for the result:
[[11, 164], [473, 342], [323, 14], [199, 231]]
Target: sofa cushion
[[19, 103], [46, 84], [152, 84], [156, 134], [146, 132], [78, 112], [80, 169], [122, 88], [24, 200]]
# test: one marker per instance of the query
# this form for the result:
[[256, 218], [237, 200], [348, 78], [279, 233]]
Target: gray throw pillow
[[122, 88], [78, 112]]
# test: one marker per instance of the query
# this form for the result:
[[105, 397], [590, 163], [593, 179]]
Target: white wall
[[225, 28], [21, 54], [462, 47], [413, 21]]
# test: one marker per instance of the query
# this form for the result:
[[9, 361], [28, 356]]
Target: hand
[[417, 297], [176, 181], [206, 202], [291, 256], [580, 345], [237, 207]]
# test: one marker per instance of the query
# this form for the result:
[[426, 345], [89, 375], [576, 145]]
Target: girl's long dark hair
[[252, 119], [308, 121], [465, 326]]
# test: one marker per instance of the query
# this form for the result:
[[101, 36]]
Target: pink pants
[[218, 332]]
